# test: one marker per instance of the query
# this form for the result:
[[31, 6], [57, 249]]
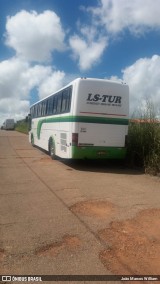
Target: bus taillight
[[74, 139]]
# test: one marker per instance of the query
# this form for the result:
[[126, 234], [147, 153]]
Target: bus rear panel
[[87, 119], [102, 110]]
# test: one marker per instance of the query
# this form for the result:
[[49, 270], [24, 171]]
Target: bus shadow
[[102, 166], [99, 166]]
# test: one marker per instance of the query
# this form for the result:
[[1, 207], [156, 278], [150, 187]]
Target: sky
[[45, 44]]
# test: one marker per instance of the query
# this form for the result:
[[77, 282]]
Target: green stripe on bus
[[98, 152], [84, 119]]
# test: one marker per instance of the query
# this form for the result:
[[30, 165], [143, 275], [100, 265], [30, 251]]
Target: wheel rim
[[32, 140], [52, 150]]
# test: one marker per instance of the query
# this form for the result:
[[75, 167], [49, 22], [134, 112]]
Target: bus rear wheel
[[52, 150]]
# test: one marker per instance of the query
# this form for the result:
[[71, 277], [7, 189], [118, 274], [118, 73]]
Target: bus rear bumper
[[93, 152]]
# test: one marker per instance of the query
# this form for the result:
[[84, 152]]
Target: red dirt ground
[[133, 245]]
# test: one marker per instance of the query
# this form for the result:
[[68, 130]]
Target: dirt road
[[78, 218]]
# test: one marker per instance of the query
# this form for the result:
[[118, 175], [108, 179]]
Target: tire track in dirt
[[68, 242], [94, 208]]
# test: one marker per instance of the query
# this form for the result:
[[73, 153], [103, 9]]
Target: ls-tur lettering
[[104, 98]]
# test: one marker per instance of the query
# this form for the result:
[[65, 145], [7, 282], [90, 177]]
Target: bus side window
[[39, 109], [69, 95], [54, 110], [50, 105], [44, 108], [47, 106], [31, 112], [36, 110], [66, 100], [59, 102], [56, 104]]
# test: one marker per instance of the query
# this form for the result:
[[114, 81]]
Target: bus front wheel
[[52, 149], [32, 140]]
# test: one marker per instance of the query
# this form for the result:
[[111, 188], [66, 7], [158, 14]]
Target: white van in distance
[[9, 124]]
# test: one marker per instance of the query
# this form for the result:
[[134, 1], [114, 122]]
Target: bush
[[144, 141]]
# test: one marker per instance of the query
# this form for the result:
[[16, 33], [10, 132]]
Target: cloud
[[18, 78], [35, 36], [10, 73], [108, 19], [13, 108], [51, 84], [143, 80], [137, 16], [88, 47]]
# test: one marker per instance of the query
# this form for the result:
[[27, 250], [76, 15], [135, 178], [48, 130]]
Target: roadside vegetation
[[22, 125], [144, 141]]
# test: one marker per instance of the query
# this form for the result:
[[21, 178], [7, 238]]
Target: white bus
[[8, 124], [87, 119]]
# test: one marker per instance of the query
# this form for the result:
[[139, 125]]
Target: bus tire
[[52, 149], [32, 140]]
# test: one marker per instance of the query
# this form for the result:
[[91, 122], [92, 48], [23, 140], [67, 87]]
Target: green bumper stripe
[[98, 152], [84, 119]]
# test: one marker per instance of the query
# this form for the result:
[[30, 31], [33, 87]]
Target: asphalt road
[[53, 213]]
